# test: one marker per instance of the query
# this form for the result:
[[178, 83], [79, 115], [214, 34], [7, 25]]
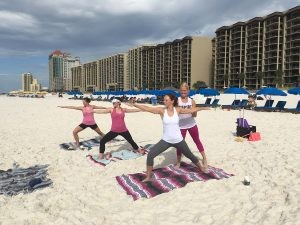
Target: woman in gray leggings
[[171, 132]]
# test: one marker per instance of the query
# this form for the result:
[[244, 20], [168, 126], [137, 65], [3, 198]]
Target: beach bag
[[243, 129], [254, 136]]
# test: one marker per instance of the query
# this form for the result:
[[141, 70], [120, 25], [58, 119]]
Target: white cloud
[[17, 21]]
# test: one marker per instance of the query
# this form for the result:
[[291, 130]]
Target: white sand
[[32, 129]]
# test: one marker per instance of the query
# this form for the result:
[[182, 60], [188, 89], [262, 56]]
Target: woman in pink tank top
[[118, 126], [88, 118]]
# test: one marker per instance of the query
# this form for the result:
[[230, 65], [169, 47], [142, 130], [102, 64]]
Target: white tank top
[[186, 121], [171, 130]]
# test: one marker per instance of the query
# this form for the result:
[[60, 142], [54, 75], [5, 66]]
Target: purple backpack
[[241, 122]]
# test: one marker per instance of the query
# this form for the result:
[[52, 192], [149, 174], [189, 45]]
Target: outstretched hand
[[131, 102]]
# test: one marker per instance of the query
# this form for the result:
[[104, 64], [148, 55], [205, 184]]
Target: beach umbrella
[[294, 91], [208, 92], [192, 92], [236, 90], [271, 91]]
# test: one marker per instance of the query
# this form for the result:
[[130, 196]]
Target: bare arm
[[132, 110], [155, 110], [191, 110], [98, 107], [71, 107], [103, 111], [194, 106]]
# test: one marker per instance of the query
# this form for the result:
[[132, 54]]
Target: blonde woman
[[187, 122]]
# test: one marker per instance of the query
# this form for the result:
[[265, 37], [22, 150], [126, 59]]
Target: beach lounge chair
[[278, 107], [233, 105], [294, 110], [268, 104], [213, 104], [207, 102]]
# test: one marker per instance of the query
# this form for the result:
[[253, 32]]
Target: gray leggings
[[162, 146]]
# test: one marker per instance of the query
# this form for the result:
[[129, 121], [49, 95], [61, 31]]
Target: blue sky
[[30, 30]]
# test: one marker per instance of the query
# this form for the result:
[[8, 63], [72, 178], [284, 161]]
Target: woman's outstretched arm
[[191, 110], [155, 110], [71, 107], [98, 107], [103, 111], [132, 110]]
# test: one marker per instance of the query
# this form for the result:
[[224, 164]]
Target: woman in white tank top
[[171, 132], [188, 123]]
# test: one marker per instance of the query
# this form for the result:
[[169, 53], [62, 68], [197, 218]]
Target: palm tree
[[199, 84], [278, 79], [226, 77], [259, 79], [241, 77]]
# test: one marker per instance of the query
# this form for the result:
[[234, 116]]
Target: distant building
[[183, 60], [35, 86], [29, 83], [26, 81], [261, 51], [103, 74], [60, 65], [68, 63]]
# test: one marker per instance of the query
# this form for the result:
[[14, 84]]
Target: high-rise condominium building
[[68, 63], [35, 86], [104, 74], [169, 64], [261, 51], [26, 81], [60, 65]]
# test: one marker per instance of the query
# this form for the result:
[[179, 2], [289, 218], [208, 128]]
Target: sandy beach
[[82, 193]]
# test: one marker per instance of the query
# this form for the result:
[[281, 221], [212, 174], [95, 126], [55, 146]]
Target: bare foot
[[147, 179], [108, 156], [141, 151], [205, 165], [177, 165], [202, 168], [101, 156]]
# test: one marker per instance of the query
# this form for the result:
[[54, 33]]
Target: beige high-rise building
[[68, 63], [184, 60], [104, 74], [26, 81], [77, 78], [135, 61], [35, 86], [261, 51]]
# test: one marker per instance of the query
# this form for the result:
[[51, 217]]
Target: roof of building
[[56, 52]]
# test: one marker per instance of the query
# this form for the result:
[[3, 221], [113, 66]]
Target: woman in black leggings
[[118, 126]]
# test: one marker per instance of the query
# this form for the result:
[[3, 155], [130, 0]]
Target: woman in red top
[[118, 126]]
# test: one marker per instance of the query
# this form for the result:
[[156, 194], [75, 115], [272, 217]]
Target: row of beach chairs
[[239, 104]]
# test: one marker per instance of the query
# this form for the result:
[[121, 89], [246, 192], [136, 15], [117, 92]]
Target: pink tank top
[[117, 121], [88, 115]]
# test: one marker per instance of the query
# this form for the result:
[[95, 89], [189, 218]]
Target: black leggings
[[162, 146], [111, 135]]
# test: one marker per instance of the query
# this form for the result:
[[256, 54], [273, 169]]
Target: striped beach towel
[[166, 179], [86, 143], [23, 180], [118, 155]]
